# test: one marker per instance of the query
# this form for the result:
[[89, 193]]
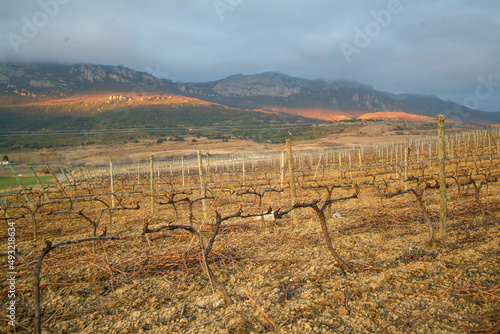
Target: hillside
[[47, 105], [62, 80], [102, 119], [269, 91], [324, 100]]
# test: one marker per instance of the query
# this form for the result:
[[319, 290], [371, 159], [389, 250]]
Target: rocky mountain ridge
[[328, 100], [51, 79], [266, 91]]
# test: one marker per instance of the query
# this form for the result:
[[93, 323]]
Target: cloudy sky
[[448, 48]]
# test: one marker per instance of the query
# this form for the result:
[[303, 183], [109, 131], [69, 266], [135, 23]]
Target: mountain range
[[268, 92]]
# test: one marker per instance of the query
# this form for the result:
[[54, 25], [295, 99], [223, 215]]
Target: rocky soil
[[280, 276]]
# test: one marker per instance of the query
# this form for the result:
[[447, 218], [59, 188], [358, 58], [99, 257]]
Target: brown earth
[[397, 283], [92, 103]]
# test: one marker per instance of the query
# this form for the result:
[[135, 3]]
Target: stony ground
[[280, 276]]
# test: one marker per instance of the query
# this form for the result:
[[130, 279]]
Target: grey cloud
[[436, 47]]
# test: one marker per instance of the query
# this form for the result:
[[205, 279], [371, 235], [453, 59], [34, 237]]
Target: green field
[[10, 182]]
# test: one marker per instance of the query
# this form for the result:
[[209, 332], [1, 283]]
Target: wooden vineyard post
[[430, 154], [40, 184], [183, 175], [283, 163], [396, 149], [317, 167], [417, 145], [498, 143], [350, 167], [152, 183], [293, 190], [442, 178], [383, 157], [476, 144], [390, 153], [452, 149], [340, 172], [112, 181], [244, 172], [489, 149], [22, 187], [138, 172], [407, 153], [55, 179], [158, 173], [202, 186]]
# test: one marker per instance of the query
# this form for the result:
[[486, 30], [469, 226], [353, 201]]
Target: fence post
[[152, 181], [350, 166], [396, 150], [283, 163], [112, 180], [244, 172], [490, 153], [158, 167], [183, 175], [340, 172], [139, 172], [407, 152], [442, 178], [202, 186], [360, 159], [317, 167], [292, 180]]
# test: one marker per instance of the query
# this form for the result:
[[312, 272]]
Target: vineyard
[[296, 242]]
